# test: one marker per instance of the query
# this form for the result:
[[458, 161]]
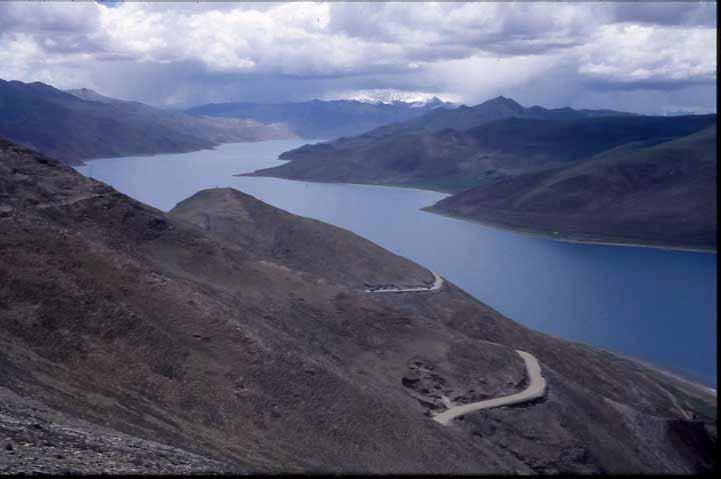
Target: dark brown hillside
[[116, 318], [663, 195], [302, 244]]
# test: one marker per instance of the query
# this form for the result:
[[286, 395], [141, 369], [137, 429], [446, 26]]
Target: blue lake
[[658, 306]]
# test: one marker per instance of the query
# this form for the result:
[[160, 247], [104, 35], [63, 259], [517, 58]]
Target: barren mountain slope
[[122, 318], [664, 194], [82, 125]]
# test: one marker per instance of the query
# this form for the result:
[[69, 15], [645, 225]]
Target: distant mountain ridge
[[91, 95], [323, 119], [458, 149], [466, 117], [84, 124]]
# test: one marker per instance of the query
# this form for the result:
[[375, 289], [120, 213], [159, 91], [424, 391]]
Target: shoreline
[[692, 382], [338, 182], [529, 233], [562, 239], [181, 152]]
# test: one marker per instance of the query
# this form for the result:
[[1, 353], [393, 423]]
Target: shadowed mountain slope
[[91, 95], [74, 128], [663, 194], [454, 160], [116, 318]]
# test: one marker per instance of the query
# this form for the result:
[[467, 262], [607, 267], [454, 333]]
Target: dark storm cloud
[[56, 28], [667, 13], [460, 30], [661, 85]]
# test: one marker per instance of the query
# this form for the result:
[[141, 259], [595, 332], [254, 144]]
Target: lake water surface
[[658, 306]]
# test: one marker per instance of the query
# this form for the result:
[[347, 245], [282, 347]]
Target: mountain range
[[498, 152], [82, 124], [230, 336], [318, 119], [499, 108]]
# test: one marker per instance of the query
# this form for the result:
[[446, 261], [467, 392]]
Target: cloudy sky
[[647, 57]]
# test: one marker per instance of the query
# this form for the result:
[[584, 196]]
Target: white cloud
[[641, 53], [481, 77]]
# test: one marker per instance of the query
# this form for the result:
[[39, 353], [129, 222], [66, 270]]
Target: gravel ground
[[35, 439]]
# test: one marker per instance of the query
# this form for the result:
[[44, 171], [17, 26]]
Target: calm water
[[659, 306]]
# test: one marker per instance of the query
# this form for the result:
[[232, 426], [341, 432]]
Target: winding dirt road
[[536, 386], [437, 284], [536, 389]]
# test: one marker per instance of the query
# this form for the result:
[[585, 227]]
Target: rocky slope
[[169, 341], [662, 195], [83, 125], [323, 119], [38, 440]]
